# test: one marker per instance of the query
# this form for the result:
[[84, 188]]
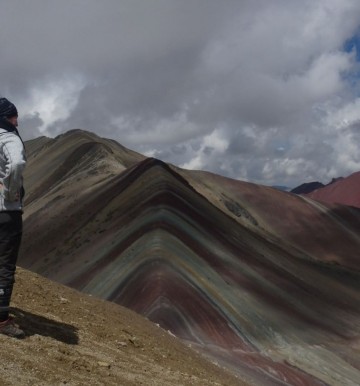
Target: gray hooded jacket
[[12, 165]]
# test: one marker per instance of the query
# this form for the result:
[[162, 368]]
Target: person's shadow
[[33, 324]]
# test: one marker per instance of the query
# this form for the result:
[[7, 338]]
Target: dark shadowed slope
[[265, 281], [307, 187], [345, 191], [74, 339]]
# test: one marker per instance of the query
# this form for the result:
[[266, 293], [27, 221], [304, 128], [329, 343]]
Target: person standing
[[12, 164]]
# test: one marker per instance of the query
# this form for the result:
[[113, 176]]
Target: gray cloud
[[257, 90], [32, 122]]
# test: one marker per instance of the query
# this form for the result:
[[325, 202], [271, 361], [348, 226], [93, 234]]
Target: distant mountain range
[[265, 282], [344, 191]]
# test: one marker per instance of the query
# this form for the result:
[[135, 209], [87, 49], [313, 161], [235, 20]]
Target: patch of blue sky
[[353, 78], [353, 45]]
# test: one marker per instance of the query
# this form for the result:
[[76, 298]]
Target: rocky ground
[[75, 339]]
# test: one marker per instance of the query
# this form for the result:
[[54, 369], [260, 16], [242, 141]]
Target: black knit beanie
[[7, 109]]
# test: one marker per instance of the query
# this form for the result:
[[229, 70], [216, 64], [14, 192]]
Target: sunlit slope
[[230, 266], [344, 191], [77, 157], [307, 228]]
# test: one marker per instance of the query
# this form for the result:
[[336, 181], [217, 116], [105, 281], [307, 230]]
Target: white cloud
[[213, 146], [52, 99], [344, 116]]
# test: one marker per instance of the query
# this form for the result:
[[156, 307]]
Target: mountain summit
[[262, 281]]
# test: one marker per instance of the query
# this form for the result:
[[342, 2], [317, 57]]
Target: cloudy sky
[[259, 90]]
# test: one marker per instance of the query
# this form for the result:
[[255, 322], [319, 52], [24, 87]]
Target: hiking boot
[[9, 328]]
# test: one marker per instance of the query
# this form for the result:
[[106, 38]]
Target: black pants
[[10, 239]]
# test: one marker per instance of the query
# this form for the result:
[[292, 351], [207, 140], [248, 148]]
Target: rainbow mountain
[[264, 282]]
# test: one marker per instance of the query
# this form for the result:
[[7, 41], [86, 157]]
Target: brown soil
[[75, 339]]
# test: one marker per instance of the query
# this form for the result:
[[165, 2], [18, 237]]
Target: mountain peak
[[307, 187]]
